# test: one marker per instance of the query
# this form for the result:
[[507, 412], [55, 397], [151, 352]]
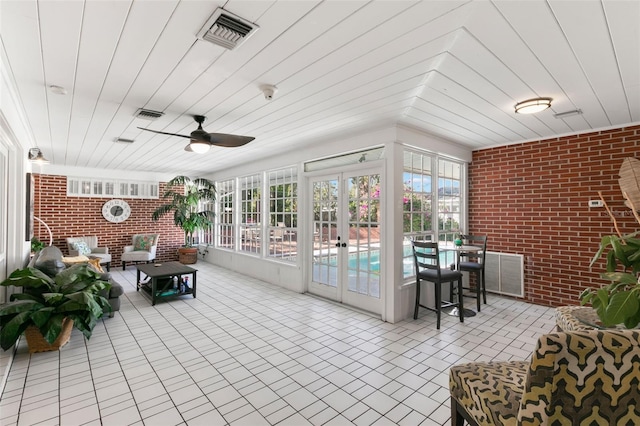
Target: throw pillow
[[143, 242], [81, 247]]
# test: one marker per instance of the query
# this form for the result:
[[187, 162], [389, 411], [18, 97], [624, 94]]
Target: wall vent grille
[[226, 29], [505, 273]]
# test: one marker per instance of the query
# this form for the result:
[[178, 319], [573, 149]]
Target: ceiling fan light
[[531, 106], [200, 146]]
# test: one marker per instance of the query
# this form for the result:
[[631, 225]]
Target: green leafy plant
[[190, 201], [36, 245], [619, 301], [46, 301]]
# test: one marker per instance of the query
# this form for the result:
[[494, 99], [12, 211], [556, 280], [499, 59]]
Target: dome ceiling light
[[531, 106]]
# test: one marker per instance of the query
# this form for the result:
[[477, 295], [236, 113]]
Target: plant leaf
[[13, 329], [622, 305], [41, 317], [52, 329], [620, 277], [28, 278], [20, 306]]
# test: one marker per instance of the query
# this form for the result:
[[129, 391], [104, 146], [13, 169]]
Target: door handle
[[338, 244]]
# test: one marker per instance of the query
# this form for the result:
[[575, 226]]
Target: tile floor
[[249, 353]]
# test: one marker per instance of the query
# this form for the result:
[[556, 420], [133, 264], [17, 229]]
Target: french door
[[346, 246]]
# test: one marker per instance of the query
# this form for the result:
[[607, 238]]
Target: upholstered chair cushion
[[588, 377], [489, 391], [584, 378]]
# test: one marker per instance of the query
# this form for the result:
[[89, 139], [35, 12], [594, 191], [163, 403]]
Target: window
[[422, 199], [97, 187], [250, 198], [283, 214], [417, 208], [449, 176], [224, 223]]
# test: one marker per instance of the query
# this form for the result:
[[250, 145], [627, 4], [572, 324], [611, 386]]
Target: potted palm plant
[[190, 201], [49, 308]]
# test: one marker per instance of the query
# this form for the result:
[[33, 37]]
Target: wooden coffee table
[[160, 283]]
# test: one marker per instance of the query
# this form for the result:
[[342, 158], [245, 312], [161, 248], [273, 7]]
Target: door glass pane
[[325, 211], [363, 263]]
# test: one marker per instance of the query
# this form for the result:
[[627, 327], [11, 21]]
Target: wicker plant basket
[[36, 342], [187, 256]]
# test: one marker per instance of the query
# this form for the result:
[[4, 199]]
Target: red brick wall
[[80, 216], [532, 199]]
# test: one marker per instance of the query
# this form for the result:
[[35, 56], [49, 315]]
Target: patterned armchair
[[142, 249], [584, 377]]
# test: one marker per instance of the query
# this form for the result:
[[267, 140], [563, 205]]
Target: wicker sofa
[[575, 378]]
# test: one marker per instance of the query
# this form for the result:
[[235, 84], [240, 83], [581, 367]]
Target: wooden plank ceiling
[[454, 69]]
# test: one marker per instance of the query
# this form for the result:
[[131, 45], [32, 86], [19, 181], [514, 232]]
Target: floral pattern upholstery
[[144, 242], [586, 377]]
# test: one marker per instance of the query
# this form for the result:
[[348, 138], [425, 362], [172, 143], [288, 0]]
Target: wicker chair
[[576, 378]]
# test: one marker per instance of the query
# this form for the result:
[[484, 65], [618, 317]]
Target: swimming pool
[[370, 261]]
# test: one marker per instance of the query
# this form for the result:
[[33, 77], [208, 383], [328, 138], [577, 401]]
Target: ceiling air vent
[[124, 140], [226, 29], [147, 114]]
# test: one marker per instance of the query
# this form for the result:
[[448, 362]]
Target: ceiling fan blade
[[229, 141], [165, 133]]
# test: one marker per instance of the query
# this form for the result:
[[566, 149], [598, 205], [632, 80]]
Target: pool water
[[370, 261]]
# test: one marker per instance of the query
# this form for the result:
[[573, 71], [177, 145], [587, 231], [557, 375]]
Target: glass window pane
[[224, 218], [250, 202], [283, 213]]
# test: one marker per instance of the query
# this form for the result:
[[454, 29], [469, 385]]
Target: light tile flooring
[[249, 353]]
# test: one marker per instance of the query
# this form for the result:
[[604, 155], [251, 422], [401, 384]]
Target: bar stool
[[427, 262], [473, 262]]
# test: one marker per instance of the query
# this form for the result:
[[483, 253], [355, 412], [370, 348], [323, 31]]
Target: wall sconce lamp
[[532, 106], [35, 156]]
